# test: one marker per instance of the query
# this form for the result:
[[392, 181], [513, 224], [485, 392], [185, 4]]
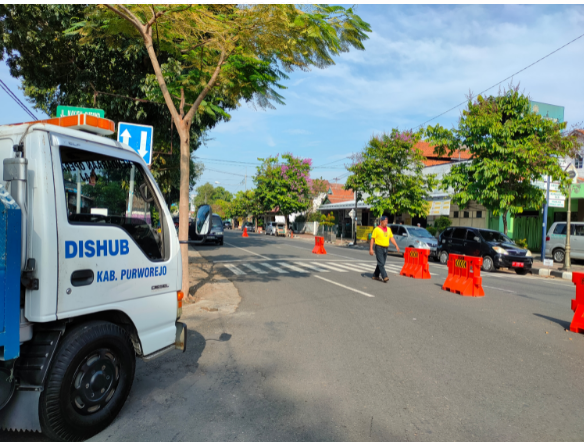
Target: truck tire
[[88, 382]]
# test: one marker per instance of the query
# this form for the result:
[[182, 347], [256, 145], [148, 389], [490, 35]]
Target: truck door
[[114, 244]]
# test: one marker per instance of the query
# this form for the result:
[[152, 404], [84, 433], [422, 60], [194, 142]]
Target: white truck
[[90, 275]]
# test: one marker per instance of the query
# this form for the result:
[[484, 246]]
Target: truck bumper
[[180, 342]]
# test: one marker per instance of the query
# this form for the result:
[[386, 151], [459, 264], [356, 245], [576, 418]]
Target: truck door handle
[[81, 277]]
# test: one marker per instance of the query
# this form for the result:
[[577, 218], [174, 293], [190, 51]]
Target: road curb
[[550, 272]]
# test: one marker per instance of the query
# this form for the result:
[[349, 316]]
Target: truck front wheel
[[88, 382]]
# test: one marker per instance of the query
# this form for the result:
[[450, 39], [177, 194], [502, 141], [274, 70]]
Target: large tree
[[208, 194], [389, 171], [57, 70], [238, 49], [283, 185], [510, 146]]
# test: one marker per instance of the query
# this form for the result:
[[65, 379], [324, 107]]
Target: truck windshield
[[105, 190]]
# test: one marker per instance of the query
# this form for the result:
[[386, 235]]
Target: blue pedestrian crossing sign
[[138, 137]]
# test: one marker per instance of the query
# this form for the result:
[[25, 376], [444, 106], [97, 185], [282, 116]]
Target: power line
[[336, 161], [15, 98], [227, 161], [226, 173], [497, 84]]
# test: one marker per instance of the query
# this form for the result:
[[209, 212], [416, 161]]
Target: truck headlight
[[528, 253], [421, 245]]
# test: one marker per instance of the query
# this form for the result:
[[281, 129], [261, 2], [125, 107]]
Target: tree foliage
[[389, 171], [236, 49], [283, 185], [56, 69], [510, 148], [209, 194]]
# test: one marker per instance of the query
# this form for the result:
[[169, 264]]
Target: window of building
[[114, 192], [578, 161], [455, 214], [479, 213], [466, 214]]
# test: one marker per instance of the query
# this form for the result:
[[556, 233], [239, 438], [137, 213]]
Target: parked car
[[271, 228], [216, 233], [280, 229], [412, 236], [249, 225], [496, 249], [227, 225], [555, 241]]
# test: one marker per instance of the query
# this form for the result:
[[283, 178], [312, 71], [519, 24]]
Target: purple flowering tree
[[284, 184]]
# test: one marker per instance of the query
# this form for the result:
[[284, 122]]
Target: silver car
[[413, 236], [555, 241]]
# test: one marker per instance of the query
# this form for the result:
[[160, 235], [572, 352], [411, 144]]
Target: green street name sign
[[67, 111]]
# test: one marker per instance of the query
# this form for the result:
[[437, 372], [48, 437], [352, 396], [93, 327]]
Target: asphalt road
[[335, 356]]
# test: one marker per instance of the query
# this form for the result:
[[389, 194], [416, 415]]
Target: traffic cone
[[245, 235]]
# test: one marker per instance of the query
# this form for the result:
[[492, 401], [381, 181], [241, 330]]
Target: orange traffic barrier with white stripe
[[319, 245], [464, 276], [577, 325], [416, 263]]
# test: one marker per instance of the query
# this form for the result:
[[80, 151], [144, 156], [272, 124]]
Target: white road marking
[[329, 267], [234, 269], [311, 267], [254, 268], [497, 288], [248, 251], [294, 268], [276, 269], [344, 286], [345, 266]]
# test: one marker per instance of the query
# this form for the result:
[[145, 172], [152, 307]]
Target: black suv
[[496, 249]]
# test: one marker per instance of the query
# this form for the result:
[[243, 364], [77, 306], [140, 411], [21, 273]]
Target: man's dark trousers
[[380, 255]]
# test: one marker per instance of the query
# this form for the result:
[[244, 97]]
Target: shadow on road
[[564, 324]]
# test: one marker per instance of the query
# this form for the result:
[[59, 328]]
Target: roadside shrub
[[442, 223], [314, 216], [432, 230], [521, 243]]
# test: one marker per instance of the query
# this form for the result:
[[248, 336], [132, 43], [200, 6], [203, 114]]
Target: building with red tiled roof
[[433, 160], [337, 194]]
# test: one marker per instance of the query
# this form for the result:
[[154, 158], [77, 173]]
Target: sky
[[419, 61]]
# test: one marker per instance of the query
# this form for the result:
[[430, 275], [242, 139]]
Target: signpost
[[139, 138], [67, 111]]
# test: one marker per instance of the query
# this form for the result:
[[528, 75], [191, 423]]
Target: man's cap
[[383, 218]]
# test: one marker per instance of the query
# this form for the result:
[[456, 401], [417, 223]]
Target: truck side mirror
[[477, 239], [203, 221], [143, 189]]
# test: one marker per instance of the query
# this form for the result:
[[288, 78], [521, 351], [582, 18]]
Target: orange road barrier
[[464, 276], [319, 245], [245, 235], [416, 263], [577, 325]]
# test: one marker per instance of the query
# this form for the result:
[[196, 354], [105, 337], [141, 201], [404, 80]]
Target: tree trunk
[[505, 222], [183, 206]]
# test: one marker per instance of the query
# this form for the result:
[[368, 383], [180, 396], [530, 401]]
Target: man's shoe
[[376, 278], [385, 279]]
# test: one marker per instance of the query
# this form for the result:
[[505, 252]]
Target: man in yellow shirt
[[379, 243]]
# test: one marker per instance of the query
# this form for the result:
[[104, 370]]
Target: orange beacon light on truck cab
[[83, 122]]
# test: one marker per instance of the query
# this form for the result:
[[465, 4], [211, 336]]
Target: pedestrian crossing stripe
[[303, 267]]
